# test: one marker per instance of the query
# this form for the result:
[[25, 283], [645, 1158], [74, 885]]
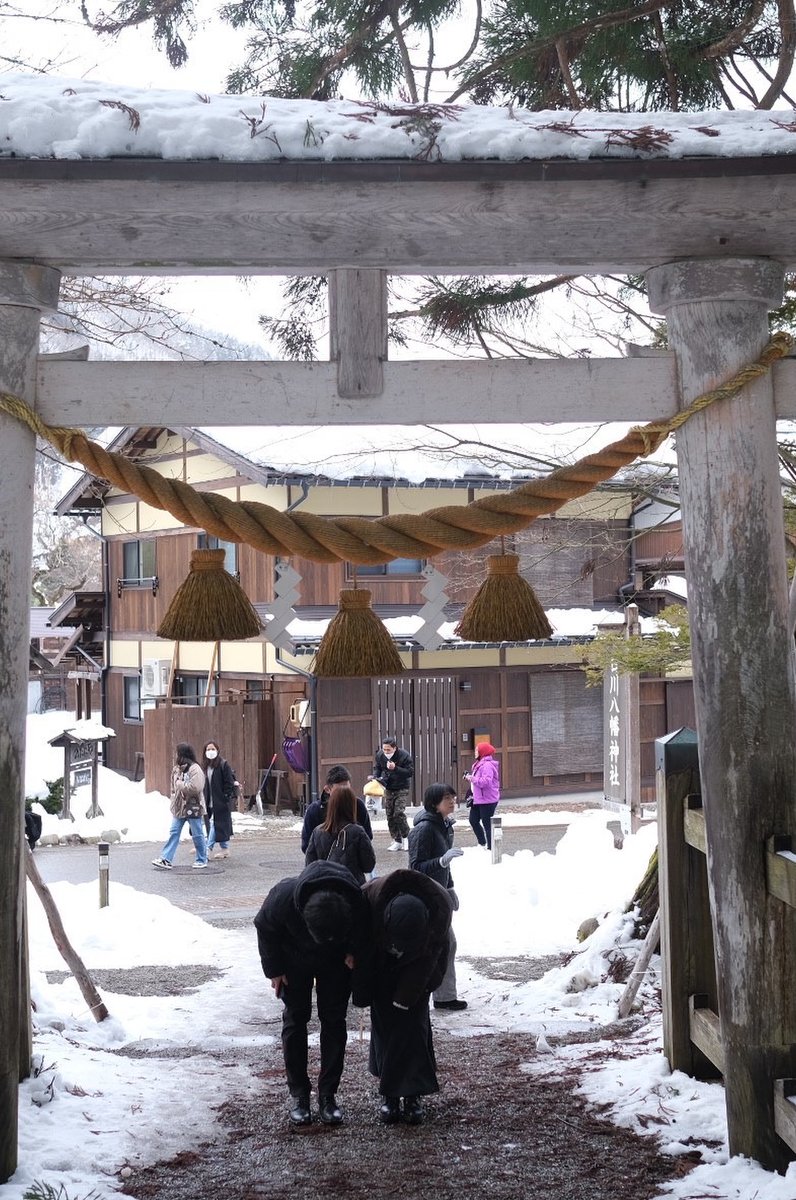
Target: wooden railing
[[692, 1038]]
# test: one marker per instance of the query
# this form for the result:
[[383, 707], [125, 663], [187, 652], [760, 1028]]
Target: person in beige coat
[[187, 804]]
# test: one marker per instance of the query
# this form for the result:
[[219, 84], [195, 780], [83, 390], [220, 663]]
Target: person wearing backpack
[[340, 839]]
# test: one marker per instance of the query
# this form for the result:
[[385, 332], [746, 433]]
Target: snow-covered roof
[[49, 117], [569, 624], [362, 455], [40, 625], [676, 584]]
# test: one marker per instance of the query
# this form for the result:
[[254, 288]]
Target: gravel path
[[493, 1130]]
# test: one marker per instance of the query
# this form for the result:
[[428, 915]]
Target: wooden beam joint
[[358, 331]]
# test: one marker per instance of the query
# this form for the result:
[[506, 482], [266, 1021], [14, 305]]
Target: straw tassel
[[356, 642], [505, 607], [210, 606]]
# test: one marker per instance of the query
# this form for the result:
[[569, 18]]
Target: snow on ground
[[528, 905]]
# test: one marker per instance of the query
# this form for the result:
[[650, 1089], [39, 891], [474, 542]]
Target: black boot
[[390, 1110], [300, 1112], [413, 1110], [329, 1112]]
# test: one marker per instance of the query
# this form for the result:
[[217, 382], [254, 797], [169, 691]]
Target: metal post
[[497, 839], [104, 872]]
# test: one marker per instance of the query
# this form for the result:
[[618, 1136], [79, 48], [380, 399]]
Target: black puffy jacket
[[429, 838], [282, 935]]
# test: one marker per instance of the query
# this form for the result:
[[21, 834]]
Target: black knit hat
[[405, 923]]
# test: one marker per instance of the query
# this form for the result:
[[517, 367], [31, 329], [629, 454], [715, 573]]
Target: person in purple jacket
[[485, 783]]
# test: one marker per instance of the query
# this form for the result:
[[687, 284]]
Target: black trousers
[[332, 990]]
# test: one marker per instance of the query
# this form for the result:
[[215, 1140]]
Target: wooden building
[[66, 655], [530, 699]]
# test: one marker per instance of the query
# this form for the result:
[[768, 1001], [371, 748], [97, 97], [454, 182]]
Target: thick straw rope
[[362, 540]]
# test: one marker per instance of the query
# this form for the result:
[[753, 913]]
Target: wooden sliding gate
[[353, 715]]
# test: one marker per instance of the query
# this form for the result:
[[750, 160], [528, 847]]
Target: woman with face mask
[[219, 797]]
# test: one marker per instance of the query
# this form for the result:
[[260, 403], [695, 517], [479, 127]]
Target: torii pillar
[[25, 290], [743, 660]]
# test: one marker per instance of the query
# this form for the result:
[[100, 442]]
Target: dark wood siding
[[665, 705], [243, 730], [121, 750], [436, 716], [664, 544]]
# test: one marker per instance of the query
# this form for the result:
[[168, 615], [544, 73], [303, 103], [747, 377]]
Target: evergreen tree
[[606, 55]]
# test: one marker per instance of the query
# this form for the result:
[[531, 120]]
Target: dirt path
[[493, 1131]]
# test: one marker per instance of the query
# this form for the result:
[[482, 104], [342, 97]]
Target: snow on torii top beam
[[108, 179]]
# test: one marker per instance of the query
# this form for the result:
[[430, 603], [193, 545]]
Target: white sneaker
[[396, 845], [163, 863], [404, 844], [197, 866]]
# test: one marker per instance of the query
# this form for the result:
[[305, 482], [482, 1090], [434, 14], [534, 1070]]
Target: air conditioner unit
[[155, 676]]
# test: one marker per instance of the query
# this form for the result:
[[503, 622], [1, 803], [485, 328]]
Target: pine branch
[[337, 61], [454, 311], [732, 41], [576, 32]]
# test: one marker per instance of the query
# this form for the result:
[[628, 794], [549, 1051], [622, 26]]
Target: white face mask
[[389, 753], [211, 754]]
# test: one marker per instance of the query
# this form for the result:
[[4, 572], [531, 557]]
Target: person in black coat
[[316, 812], [410, 916], [220, 796], [431, 850], [313, 929], [32, 827], [393, 769], [340, 839]]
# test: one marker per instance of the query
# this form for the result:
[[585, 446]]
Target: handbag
[[336, 852], [192, 809], [468, 798]]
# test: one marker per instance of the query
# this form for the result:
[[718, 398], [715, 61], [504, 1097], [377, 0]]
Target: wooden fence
[[243, 729], [692, 1035]]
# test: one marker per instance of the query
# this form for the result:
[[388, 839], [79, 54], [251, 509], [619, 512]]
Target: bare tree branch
[[566, 74], [409, 74]]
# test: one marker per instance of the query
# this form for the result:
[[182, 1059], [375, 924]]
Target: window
[[132, 698], [190, 689], [206, 541], [138, 562], [398, 566]]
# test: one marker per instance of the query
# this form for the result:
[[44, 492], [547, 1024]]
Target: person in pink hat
[[485, 784]]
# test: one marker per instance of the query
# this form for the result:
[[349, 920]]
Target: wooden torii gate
[[714, 238]]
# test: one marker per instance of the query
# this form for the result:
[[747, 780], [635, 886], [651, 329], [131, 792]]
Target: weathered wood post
[[632, 691], [358, 331], [25, 289], [687, 955], [716, 311]]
